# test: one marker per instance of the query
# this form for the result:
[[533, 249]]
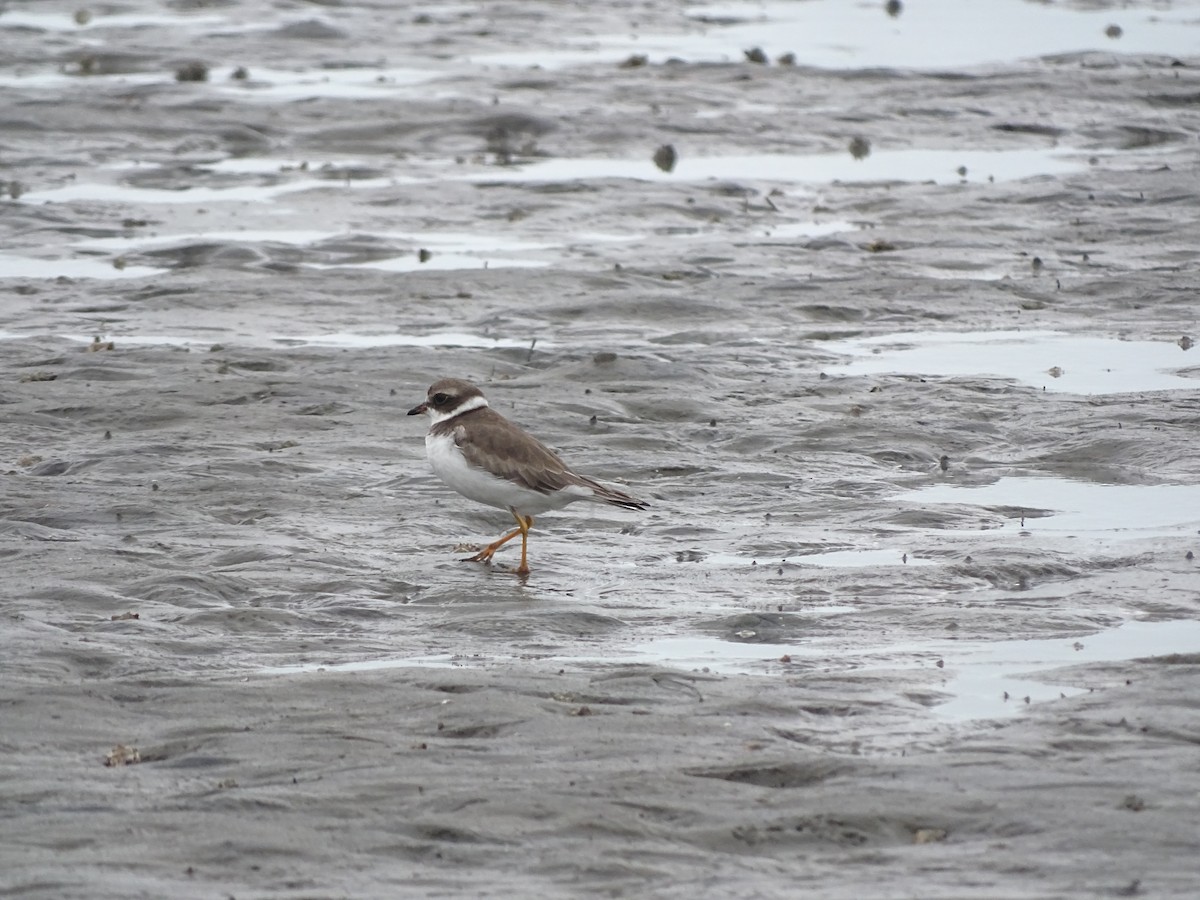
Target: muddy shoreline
[[913, 612]]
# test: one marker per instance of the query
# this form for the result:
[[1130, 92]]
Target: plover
[[487, 458]]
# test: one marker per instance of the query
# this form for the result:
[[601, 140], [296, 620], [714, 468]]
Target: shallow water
[[281, 179], [1079, 508], [1001, 676], [937, 35], [941, 166], [1050, 361], [39, 268], [986, 679]]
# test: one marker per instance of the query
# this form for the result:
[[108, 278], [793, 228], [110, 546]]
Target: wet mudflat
[[897, 340]]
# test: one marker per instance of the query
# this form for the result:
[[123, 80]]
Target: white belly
[[451, 466]]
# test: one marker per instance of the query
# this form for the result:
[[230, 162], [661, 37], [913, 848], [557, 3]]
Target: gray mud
[[222, 546]]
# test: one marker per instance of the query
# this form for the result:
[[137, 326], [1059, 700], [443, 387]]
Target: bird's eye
[[440, 399]]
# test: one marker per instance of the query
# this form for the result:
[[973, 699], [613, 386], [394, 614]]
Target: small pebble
[[860, 147], [665, 157], [193, 71]]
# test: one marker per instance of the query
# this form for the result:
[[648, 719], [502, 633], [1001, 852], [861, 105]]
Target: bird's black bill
[[418, 410]]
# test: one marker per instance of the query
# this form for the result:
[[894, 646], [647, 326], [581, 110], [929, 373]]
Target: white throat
[[477, 402]]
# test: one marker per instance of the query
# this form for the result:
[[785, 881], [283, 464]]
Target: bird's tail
[[602, 493]]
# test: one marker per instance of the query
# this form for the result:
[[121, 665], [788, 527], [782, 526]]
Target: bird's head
[[448, 398]]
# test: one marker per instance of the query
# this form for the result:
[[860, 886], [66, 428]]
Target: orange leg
[[523, 568], [486, 554], [524, 523]]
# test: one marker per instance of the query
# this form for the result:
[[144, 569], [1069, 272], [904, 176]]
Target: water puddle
[[929, 35], [426, 250], [984, 679], [940, 166], [297, 238], [439, 339], [277, 177], [278, 85], [791, 230], [1050, 360], [448, 262], [282, 177], [417, 251], [58, 80], [340, 340], [449, 251], [241, 193], [983, 672], [133, 196], [272, 165], [711, 654], [272, 85], [87, 21], [31, 267], [834, 559], [442, 661], [979, 673], [1081, 508]]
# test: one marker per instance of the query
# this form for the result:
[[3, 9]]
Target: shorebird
[[487, 458]]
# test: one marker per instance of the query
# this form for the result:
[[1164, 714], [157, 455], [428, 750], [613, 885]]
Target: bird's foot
[[486, 554], [482, 554]]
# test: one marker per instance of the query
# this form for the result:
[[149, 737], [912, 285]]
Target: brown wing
[[497, 444]]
